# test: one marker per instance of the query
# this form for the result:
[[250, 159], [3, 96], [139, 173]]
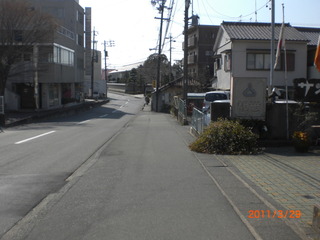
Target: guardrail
[[197, 120]]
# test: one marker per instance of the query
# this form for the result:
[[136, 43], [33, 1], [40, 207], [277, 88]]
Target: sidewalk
[[290, 179]]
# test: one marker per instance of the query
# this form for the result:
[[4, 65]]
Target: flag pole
[[272, 57], [286, 77]]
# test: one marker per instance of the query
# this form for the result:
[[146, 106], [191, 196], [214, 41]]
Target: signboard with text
[[248, 98], [307, 90]]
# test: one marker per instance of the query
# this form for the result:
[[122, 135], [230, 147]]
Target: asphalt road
[[36, 159]]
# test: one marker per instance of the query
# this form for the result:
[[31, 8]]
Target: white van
[[214, 96]]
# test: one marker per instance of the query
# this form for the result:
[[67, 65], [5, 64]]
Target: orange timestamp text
[[274, 214]]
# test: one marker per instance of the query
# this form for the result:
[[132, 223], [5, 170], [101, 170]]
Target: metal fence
[[182, 109], [1, 105], [197, 120]]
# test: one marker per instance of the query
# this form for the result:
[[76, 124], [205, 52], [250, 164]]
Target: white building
[[242, 50]]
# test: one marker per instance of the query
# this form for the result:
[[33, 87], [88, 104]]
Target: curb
[[63, 111]]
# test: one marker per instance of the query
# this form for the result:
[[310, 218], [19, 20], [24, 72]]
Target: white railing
[[197, 120], [182, 109]]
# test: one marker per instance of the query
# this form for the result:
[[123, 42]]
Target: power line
[[223, 16]]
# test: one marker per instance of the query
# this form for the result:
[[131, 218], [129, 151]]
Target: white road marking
[[124, 105], [106, 115], [29, 139], [83, 122]]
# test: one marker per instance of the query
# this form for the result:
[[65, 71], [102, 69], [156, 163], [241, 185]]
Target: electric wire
[[223, 16]]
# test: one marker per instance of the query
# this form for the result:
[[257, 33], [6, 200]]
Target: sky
[[133, 26]]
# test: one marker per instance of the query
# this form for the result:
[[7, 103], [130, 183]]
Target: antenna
[[256, 13], [192, 7]]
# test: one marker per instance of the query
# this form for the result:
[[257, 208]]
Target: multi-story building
[[201, 39], [60, 73]]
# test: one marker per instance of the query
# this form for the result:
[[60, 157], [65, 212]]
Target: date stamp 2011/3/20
[[274, 214]]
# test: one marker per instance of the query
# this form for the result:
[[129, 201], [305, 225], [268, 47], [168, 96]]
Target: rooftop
[[260, 31], [311, 33]]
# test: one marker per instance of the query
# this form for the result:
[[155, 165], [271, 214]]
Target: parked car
[[207, 114], [214, 96]]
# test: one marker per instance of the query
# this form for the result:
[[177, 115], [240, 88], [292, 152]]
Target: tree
[[22, 27], [149, 69]]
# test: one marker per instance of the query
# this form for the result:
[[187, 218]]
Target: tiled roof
[[311, 33], [260, 31]]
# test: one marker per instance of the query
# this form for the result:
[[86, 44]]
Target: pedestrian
[[147, 99]]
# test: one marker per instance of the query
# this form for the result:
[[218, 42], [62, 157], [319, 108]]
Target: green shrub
[[226, 137]]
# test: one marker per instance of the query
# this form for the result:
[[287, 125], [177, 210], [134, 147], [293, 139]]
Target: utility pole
[[161, 10], [36, 75], [92, 62], [159, 56], [185, 60], [110, 44], [171, 40], [105, 66]]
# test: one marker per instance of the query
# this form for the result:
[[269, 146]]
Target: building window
[[217, 64], [80, 40], [227, 62], [64, 31], [258, 61], [290, 61], [63, 56], [261, 61], [80, 17]]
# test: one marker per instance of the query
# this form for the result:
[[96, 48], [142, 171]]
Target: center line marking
[[83, 122], [29, 139]]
